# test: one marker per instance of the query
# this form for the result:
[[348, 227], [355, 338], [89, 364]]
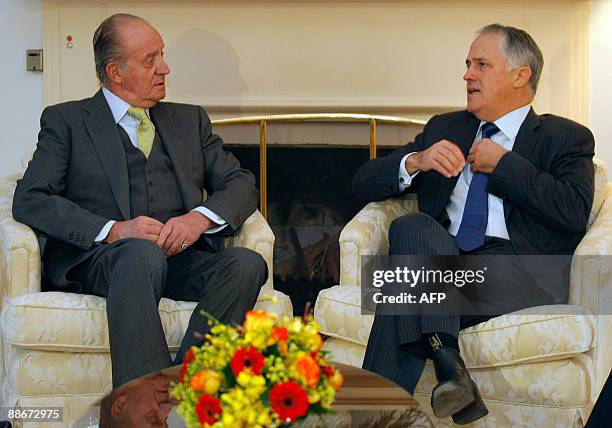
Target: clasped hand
[[185, 229], [447, 158]]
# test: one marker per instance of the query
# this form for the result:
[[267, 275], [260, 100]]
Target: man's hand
[[140, 227], [444, 156], [485, 155], [185, 229]]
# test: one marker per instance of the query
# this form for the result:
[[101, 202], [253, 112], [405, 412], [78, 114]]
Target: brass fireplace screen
[[263, 121]]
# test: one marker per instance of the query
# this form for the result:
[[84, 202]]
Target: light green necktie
[[145, 130]]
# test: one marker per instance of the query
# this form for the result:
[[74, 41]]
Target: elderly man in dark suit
[[497, 179], [115, 189]]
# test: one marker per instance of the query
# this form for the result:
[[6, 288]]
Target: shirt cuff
[[213, 217], [405, 179], [104, 232]]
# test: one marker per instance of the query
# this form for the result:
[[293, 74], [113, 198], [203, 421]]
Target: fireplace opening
[[310, 200]]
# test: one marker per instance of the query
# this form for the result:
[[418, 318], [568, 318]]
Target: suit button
[[150, 198]]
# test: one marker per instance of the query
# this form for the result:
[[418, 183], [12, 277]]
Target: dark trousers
[[134, 274], [398, 347]]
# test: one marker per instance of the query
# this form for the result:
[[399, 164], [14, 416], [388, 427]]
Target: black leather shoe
[[472, 412], [456, 391]]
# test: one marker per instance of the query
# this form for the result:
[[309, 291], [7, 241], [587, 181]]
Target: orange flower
[[280, 335], [258, 320], [207, 381], [309, 370]]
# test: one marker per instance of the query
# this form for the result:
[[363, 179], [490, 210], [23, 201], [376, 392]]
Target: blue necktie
[[471, 233]]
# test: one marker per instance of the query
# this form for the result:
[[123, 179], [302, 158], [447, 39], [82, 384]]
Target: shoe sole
[[450, 397], [474, 411]]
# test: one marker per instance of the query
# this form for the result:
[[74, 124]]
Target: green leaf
[[317, 409], [229, 376], [265, 399]]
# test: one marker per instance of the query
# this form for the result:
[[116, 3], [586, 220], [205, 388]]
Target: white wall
[[600, 96], [393, 57], [22, 91], [21, 22]]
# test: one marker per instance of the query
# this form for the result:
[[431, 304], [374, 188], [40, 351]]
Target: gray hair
[[520, 50], [107, 43]]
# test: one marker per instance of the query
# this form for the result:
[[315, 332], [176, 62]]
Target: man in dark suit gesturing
[[497, 179], [115, 188]]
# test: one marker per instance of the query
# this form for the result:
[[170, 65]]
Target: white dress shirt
[[119, 108], [508, 125]]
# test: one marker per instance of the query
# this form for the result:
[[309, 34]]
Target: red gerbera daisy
[[289, 401], [328, 371], [187, 358], [184, 368], [247, 358], [208, 409]]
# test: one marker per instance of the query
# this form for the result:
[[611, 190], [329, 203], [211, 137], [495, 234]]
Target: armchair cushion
[[68, 322], [565, 382], [544, 333]]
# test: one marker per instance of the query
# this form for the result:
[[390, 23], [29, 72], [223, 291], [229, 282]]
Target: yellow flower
[[316, 343], [258, 320], [207, 381], [336, 380], [313, 396]]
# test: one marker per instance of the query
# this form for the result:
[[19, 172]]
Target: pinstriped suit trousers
[[397, 347]]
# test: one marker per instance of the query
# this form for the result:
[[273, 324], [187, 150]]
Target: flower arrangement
[[262, 374]]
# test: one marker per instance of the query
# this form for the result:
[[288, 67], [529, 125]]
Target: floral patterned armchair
[[54, 348], [541, 366]]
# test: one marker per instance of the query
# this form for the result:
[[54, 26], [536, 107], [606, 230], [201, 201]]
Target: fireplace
[[309, 199]]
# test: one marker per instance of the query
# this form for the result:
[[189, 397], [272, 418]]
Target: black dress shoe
[[456, 393], [472, 412]]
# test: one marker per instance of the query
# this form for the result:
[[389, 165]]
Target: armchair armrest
[[368, 234], [591, 278], [591, 263], [19, 251], [255, 234]]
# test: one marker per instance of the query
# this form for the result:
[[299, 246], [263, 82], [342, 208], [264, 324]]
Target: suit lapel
[[177, 146], [462, 133], [107, 142], [524, 145], [526, 140]]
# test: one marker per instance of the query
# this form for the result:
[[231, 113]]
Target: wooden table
[[366, 400]]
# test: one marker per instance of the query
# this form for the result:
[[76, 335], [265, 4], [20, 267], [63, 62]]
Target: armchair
[[54, 348], [542, 366]]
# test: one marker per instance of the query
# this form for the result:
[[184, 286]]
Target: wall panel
[[403, 57]]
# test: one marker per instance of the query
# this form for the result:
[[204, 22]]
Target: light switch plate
[[34, 60]]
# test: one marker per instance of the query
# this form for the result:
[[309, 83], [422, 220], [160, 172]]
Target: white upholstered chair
[[54, 346], [541, 367]]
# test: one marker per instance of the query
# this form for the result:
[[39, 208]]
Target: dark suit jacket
[[546, 181], [77, 179]]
